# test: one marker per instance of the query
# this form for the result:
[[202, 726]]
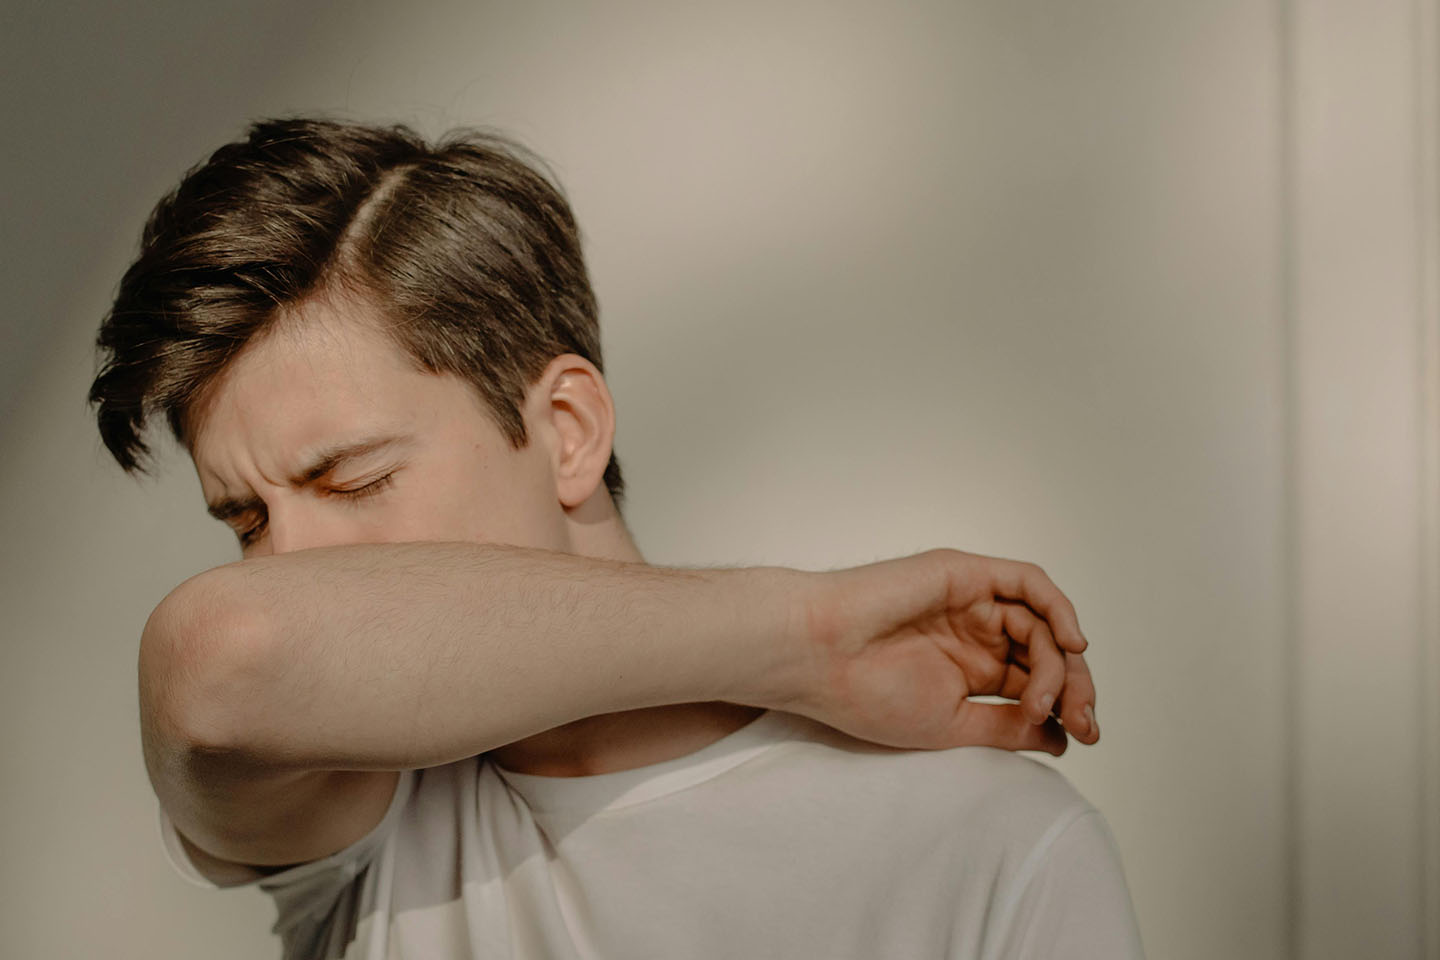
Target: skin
[[326, 377]]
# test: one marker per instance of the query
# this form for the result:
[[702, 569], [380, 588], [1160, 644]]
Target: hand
[[900, 646]]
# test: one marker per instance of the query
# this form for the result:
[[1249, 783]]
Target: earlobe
[[582, 416]]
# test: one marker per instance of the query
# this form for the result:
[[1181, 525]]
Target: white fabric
[[784, 839]]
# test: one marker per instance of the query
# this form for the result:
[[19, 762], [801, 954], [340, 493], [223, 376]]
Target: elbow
[[197, 646]]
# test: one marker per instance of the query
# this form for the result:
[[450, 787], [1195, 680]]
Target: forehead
[[318, 375]]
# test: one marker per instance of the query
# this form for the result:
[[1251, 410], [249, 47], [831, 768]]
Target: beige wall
[[1142, 291]]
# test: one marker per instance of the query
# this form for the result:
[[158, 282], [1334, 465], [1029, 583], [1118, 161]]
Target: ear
[[572, 407]]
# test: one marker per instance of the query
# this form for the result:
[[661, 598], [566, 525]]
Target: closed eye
[[251, 534], [368, 490]]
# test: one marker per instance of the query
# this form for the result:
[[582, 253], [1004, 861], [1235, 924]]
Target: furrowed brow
[[326, 460], [230, 507]]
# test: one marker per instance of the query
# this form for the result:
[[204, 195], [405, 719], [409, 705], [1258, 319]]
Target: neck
[[629, 738]]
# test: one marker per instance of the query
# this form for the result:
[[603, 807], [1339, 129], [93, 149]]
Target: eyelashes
[[368, 490]]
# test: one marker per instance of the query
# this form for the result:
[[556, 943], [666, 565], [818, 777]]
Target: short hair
[[467, 247]]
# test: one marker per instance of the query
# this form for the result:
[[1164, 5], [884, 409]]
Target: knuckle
[[946, 558]]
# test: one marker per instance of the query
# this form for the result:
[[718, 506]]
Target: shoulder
[[1003, 803], [1005, 834], [979, 776]]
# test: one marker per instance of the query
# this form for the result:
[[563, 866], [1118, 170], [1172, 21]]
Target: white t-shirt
[[785, 838]]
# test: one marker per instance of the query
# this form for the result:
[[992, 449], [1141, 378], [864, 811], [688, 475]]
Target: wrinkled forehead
[[314, 375], [333, 332]]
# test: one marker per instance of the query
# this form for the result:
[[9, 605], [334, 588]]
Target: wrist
[[781, 609]]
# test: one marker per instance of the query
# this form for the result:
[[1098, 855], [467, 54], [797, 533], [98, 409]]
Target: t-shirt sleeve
[[325, 872], [1071, 898]]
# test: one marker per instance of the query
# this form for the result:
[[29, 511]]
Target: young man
[[442, 707]]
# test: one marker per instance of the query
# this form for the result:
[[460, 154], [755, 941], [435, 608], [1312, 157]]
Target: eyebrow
[[322, 463]]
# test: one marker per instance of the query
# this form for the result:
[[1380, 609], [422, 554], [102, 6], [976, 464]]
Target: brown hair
[[470, 251]]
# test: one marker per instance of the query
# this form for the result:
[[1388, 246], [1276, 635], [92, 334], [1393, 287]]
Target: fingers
[[1013, 684], [1039, 670], [1027, 583], [1077, 701], [1076, 707], [1005, 725], [1045, 662]]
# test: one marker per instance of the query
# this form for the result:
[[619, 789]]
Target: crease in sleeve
[[240, 875]]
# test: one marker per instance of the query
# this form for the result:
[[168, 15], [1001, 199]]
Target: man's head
[[447, 277]]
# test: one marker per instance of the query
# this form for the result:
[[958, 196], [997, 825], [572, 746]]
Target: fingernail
[[1046, 702], [1090, 719]]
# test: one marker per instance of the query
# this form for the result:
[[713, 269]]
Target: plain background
[[1144, 292]]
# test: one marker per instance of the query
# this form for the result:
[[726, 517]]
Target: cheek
[[434, 517], [485, 496], [446, 505], [521, 515]]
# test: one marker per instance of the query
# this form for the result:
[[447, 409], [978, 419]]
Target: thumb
[[1004, 725]]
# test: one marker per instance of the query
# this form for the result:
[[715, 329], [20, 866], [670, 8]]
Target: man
[[442, 707]]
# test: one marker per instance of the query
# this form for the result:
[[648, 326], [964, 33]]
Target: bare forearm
[[391, 656]]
